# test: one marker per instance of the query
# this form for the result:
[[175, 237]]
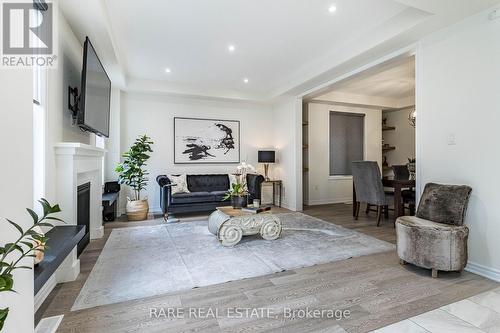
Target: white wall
[[16, 192], [403, 137], [458, 104], [323, 188], [59, 127], [287, 135], [154, 115], [113, 142]]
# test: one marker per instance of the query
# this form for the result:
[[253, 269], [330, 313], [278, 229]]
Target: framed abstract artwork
[[201, 141]]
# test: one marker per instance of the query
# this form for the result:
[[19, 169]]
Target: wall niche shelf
[[388, 128], [384, 149]]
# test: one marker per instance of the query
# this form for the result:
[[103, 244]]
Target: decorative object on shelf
[[266, 157], [238, 192], [411, 167], [384, 163], [132, 172], [39, 245], [28, 245], [386, 147], [412, 117], [202, 141], [386, 127]]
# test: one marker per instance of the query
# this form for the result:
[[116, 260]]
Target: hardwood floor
[[375, 289]]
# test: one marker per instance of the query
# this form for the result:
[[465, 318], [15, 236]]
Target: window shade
[[346, 141]]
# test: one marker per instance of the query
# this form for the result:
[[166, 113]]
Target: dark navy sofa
[[206, 193]]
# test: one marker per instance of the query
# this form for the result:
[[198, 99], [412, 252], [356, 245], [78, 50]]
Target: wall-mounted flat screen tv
[[95, 94]]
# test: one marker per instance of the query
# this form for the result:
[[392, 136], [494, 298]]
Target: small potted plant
[[238, 193], [132, 172], [29, 244]]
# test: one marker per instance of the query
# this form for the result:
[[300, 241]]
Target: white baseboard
[[329, 201], [42, 294], [487, 272]]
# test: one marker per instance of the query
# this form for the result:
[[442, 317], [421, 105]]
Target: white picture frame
[[206, 141]]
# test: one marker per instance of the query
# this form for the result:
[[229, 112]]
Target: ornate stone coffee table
[[230, 225]]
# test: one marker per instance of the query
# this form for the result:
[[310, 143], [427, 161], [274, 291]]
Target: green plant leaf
[[55, 209], [34, 215], [16, 226], [31, 232], [11, 247], [3, 316], [28, 244], [54, 218], [8, 282], [45, 205], [22, 267]]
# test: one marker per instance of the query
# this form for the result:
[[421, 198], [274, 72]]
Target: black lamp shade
[[266, 156]]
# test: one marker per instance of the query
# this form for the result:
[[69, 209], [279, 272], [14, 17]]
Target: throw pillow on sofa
[[180, 184]]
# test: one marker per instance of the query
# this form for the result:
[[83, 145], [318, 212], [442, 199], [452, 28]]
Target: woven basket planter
[[137, 210]]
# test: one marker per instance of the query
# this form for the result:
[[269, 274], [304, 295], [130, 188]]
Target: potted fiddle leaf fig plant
[[29, 244], [132, 172]]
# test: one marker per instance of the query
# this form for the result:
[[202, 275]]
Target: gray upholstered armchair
[[436, 238]]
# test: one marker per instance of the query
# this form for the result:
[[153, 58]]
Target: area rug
[[139, 262]]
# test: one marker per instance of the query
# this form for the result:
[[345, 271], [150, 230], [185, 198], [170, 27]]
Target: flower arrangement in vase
[[238, 191]]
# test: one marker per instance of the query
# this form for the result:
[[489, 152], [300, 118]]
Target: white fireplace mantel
[[77, 148], [76, 164]]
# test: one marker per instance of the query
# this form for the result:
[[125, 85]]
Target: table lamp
[[266, 157]]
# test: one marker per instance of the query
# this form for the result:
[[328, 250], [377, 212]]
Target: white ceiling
[[281, 45], [395, 81]]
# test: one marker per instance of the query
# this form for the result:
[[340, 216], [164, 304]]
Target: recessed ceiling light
[[245, 80], [167, 70], [332, 9], [231, 48]]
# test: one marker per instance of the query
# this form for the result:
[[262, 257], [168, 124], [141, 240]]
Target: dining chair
[[369, 189], [401, 172]]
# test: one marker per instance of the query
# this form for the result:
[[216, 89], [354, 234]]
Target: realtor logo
[[27, 34]]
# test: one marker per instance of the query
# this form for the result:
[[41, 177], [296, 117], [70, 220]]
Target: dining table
[[398, 185]]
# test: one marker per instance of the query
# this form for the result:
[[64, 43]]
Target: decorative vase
[[39, 254], [137, 210], [238, 202]]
